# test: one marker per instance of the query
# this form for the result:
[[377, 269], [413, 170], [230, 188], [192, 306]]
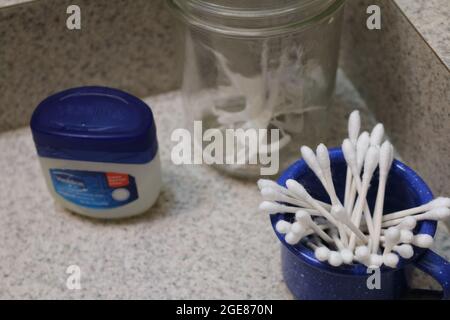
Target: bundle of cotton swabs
[[337, 232]]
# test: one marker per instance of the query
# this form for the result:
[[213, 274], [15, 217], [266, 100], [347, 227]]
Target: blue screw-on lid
[[95, 124]]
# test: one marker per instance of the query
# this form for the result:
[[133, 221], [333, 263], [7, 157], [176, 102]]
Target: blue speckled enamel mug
[[308, 278]]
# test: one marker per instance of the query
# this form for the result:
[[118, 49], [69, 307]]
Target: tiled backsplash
[[132, 45]]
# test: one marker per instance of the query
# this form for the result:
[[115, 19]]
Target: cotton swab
[[436, 203], [370, 165], [265, 183], [304, 218], [434, 214], [323, 158], [362, 146], [313, 163], [272, 208], [386, 159], [354, 126], [405, 251]]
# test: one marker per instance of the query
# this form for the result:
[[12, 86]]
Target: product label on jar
[[97, 190]]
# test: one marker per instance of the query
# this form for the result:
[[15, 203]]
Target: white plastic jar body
[[147, 179]]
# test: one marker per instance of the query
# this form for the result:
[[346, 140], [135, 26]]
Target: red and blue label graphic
[[96, 190]]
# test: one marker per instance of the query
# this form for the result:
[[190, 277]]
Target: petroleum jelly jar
[[98, 150]]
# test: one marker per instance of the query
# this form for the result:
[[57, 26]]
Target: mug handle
[[437, 267]]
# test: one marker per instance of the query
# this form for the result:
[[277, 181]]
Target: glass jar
[[259, 65]]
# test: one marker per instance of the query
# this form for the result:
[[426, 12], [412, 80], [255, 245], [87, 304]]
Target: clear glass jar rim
[[253, 21]]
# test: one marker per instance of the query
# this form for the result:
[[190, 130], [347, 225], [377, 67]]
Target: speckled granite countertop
[[432, 19], [203, 239]]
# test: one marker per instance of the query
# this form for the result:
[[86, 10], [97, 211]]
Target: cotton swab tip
[[405, 251], [391, 260], [270, 194], [440, 213], [376, 137], [361, 148], [423, 241], [386, 157], [392, 235], [339, 212], [354, 125], [371, 161], [362, 253], [349, 152], [335, 259], [293, 238], [303, 216], [323, 157], [347, 256], [297, 188], [283, 227], [440, 202], [322, 253], [270, 207], [265, 183], [375, 260], [406, 236], [298, 228], [311, 160]]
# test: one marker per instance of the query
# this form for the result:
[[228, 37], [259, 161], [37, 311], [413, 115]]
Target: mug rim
[[304, 253]]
